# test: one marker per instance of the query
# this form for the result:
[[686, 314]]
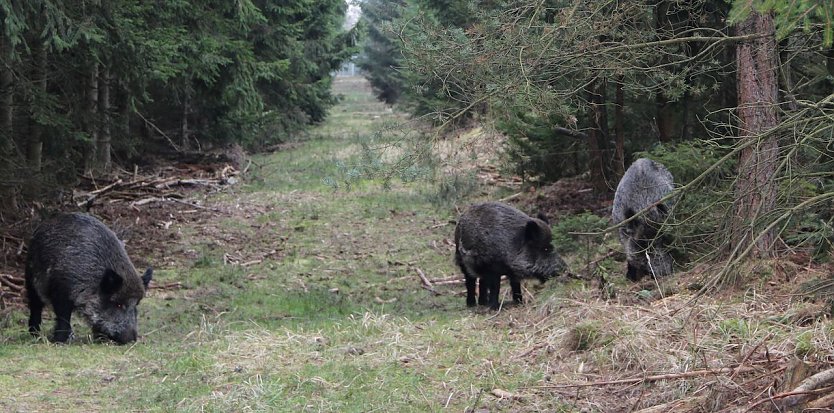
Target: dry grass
[[335, 320]]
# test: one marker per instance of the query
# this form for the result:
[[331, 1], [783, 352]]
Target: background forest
[[86, 85], [733, 97]]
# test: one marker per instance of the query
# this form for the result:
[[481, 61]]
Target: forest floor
[[292, 292]]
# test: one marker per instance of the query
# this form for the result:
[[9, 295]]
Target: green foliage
[[535, 150], [454, 187], [566, 230], [212, 72], [587, 336], [804, 345], [380, 58], [688, 160], [790, 14]]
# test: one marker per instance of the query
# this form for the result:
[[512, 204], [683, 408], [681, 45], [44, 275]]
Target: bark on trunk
[[124, 110], [91, 117], [103, 162], [185, 133], [597, 135], [619, 120], [664, 118], [34, 147], [6, 97], [8, 191], [755, 189]]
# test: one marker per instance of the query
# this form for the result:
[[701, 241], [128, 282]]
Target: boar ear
[[111, 282], [146, 279], [532, 230], [543, 217]]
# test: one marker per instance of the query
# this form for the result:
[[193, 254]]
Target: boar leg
[[633, 273], [494, 289], [484, 285], [35, 308], [470, 290], [518, 298], [63, 312]]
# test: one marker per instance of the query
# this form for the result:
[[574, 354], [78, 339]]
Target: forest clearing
[[283, 294], [417, 205]]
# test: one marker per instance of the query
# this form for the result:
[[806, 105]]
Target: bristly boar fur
[[494, 239], [643, 185], [77, 264]]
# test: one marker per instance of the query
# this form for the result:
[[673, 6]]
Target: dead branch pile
[[164, 186], [118, 192]]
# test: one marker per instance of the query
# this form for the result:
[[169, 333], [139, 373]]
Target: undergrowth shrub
[[573, 232]]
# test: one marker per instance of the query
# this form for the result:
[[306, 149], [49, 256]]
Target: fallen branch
[[182, 182], [169, 199], [750, 353], [800, 394], [426, 283], [790, 397], [503, 394], [170, 286], [673, 406], [423, 278], [647, 379], [448, 282], [95, 194], [825, 402], [12, 283], [444, 279]]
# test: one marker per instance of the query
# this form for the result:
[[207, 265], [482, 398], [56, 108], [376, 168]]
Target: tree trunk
[[8, 191], [6, 98], [34, 147], [619, 120], [755, 188], [185, 133], [664, 118], [91, 117], [123, 103], [597, 134], [103, 162]]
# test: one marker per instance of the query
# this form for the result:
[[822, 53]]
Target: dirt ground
[[599, 346]]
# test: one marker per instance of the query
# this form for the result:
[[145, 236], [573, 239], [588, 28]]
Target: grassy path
[[295, 297], [325, 314]]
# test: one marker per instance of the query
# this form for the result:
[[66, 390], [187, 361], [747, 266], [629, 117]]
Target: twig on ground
[[426, 283], [658, 377], [503, 394], [12, 283], [750, 353], [807, 388]]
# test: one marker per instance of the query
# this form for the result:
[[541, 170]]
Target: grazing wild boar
[[494, 239], [76, 263], [644, 184]]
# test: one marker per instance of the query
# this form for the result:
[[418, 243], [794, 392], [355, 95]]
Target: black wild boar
[[76, 263], [644, 184], [494, 239]]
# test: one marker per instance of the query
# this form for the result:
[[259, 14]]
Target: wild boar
[[494, 239], [642, 187], [77, 264]]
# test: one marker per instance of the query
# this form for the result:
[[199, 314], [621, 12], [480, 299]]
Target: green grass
[[335, 320], [299, 297]]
